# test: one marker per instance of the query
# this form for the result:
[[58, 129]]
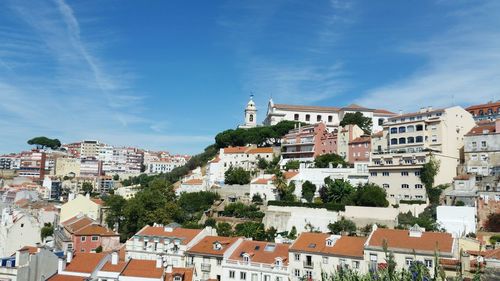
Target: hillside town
[[312, 193]]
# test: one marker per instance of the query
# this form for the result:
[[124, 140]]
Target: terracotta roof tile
[[361, 139], [142, 268], [316, 243], [259, 254], [85, 262], [76, 223], [97, 201], [193, 182], [383, 111], [482, 129], [109, 267], [306, 108], [462, 177], [61, 277], [206, 245], [484, 105], [261, 150], [400, 239], [30, 249], [237, 149], [262, 181], [95, 229], [185, 273], [185, 234]]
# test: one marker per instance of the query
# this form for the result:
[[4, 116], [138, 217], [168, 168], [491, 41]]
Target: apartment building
[[359, 149], [257, 261], [414, 139], [207, 255], [82, 205], [10, 162], [331, 116], [90, 167], [314, 254], [164, 165], [67, 167], [408, 246], [17, 229], [32, 164], [482, 148], [485, 111], [305, 143], [169, 242]]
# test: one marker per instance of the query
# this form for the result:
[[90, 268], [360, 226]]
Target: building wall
[[482, 153], [319, 264], [80, 205], [284, 218], [24, 231]]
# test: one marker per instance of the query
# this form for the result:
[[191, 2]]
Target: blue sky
[[171, 74]]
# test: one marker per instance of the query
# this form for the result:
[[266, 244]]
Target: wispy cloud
[[55, 81], [460, 66]]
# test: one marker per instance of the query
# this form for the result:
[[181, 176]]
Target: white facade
[[250, 115], [285, 218], [457, 220], [17, 230]]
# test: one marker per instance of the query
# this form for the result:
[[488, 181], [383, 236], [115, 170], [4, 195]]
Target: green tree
[[357, 118], [116, 177], [308, 190], [254, 230], [47, 230], [262, 164], [336, 191], [44, 142], [210, 222], [324, 161], [292, 165], [370, 195], [428, 173], [257, 199], [293, 233], [224, 229], [98, 249], [87, 188], [114, 215], [236, 175], [343, 226], [271, 234], [285, 190]]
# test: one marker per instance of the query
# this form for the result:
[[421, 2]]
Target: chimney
[[168, 228], [61, 265], [69, 256], [159, 262], [114, 258]]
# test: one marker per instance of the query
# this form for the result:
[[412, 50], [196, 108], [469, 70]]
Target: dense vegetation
[[240, 210], [308, 190], [342, 192], [365, 123], [44, 142], [261, 136], [324, 161], [237, 175], [343, 227]]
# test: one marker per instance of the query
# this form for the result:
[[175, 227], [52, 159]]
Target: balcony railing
[[263, 266], [308, 264]]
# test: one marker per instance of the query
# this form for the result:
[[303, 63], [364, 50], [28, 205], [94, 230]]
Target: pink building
[[359, 149], [306, 143]]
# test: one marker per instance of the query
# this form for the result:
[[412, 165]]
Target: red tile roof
[[237, 149], [85, 262], [316, 243], [462, 177], [185, 273], [261, 150], [206, 245], [142, 268], [484, 105], [306, 108], [185, 234], [400, 239], [482, 129], [30, 249], [259, 254], [384, 112], [76, 223], [97, 201], [262, 181], [109, 267], [60, 277], [95, 229], [361, 139], [193, 182]]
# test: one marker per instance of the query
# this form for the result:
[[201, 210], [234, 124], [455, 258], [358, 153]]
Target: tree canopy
[[323, 161], [236, 175], [44, 142], [343, 226], [357, 118], [308, 190]]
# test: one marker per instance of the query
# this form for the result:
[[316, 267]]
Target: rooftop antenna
[[251, 95]]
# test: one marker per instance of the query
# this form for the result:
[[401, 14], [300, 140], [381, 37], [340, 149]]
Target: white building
[[331, 116], [457, 220], [257, 261], [164, 165], [482, 148], [17, 229], [250, 115], [191, 185]]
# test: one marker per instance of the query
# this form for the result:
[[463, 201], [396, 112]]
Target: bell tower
[[250, 114]]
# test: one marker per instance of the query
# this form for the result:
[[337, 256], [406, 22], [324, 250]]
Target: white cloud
[[460, 65]]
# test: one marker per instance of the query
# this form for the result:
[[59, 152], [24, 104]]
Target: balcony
[[205, 267], [308, 264]]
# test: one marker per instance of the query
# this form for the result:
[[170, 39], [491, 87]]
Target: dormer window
[[246, 257], [329, 243], [217, 246], [278, 262], [178, 278]]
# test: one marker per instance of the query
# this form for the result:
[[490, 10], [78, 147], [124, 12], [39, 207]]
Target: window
[[419, 128], [95, 238], [394, 141], [473, 157], [418, 186], [434, 138], [408, 261], [405, 174], [417, 173], [388, 162], [178, 278], [355, 264], [402, 140], [394, 130], [83, 238], [246, 258], [318, 118], [296, 272], [308, 117], [219, 261], [297, 257], [410, 140], [243, 275], [231, 274], [373, 174], [296, 117], [405, 186], [330, 119], [419, 139], [483, 144], [385, 174], [402, 129], [380, 121], [419, 196], [428, 262], [309, 274], [251, 118], [385, 185], [325, 260]]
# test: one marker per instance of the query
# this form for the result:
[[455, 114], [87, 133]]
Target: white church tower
[[250, 115]]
